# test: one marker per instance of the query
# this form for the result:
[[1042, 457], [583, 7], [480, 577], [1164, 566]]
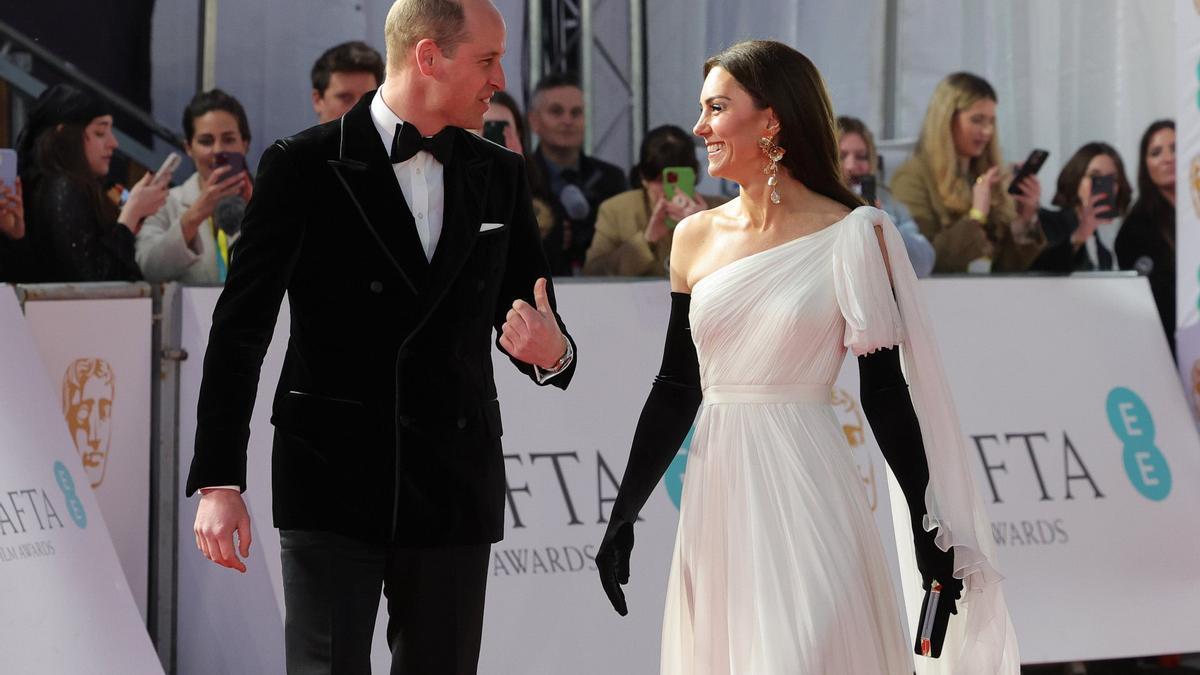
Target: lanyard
[[222, 251]]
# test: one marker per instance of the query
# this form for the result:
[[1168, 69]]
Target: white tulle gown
[[778, 568]]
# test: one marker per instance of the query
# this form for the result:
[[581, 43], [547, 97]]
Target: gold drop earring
[[774, 153]]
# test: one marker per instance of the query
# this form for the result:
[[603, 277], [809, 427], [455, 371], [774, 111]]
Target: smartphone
[[164, 173], [1032, 165], [493, 130], [677, 179], [236, 162], [8, 167], [1106, 185], [866, 189]]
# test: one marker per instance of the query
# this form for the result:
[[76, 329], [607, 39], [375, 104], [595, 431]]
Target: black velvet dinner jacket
[[387, 426]]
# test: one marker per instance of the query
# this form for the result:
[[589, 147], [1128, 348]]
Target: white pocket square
[[488, 227]]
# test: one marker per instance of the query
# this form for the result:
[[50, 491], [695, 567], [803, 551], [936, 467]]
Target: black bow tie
[[408, 142]]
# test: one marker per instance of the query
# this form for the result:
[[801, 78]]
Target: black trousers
[[331, 586]]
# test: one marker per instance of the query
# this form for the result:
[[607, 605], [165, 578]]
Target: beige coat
[[619, 247], [956, 238], [161, 251]]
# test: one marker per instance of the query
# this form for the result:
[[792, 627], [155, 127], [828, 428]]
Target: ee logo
[[67, 484], [1145, 464], [673, 479]]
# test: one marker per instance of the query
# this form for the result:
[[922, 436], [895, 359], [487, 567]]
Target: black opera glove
[[666, 418], [889, 410]]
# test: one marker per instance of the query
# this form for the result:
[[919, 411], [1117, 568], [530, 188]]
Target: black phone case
[[1032, 165], [1107, 209]]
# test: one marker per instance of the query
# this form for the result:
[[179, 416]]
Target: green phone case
[[677, 179]]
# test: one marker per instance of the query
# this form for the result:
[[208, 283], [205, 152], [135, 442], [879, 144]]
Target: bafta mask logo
[[1194, 182], [87, 399], [1196, 387], [850, 416]]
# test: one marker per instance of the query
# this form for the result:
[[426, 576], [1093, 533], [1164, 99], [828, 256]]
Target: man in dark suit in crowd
[[401, 241], [572, 182]]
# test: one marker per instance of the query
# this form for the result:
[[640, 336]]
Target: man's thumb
[[244, 538], [540, 297]]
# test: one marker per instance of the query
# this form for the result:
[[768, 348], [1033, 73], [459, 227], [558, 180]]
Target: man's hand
[[531, 334], [221, 513]]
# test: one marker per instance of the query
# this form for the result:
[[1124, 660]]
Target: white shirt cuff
[[543, 376]]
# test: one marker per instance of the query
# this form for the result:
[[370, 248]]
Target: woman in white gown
[[778, 568]]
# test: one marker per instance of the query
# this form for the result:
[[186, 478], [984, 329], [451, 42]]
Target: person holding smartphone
[[956, 189], [12, 224], [860, 169], [1092, 192], [76, 232], [634, 228], [188, 239]]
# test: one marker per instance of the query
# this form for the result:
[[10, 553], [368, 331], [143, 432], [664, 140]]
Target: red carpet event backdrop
[[1085, 456]]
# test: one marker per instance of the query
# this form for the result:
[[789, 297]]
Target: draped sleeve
[[880, 313]]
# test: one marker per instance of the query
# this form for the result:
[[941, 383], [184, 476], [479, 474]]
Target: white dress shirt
[[420, 179]]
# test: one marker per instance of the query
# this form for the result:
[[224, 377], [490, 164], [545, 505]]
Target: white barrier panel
[[1085, 457], [97, 356], [228, 622], [1073, 418], [1187, 181], [66, 604]]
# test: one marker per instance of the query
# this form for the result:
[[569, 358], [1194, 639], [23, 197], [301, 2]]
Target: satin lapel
[[465, 180], [365, 171]]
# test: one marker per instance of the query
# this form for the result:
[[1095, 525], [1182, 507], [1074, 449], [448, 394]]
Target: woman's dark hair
[[1067, 194], [208, 101], [538, 185], [781, 78], [505, 99], [51, 145], [662, 147], [349, 57], [1151, 206]]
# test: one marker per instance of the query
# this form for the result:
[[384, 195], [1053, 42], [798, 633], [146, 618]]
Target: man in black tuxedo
[[401, 241]]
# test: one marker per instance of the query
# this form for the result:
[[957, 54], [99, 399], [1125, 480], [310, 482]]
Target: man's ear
[[316, 99], [427, 54]]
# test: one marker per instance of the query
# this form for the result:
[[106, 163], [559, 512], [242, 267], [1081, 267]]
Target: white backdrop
[[66, 604], [1066, 72], [106, 344], [1187, 187], [265, 50], [1084, 455]]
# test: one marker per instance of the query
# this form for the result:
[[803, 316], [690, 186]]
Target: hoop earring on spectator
[[774, 153]]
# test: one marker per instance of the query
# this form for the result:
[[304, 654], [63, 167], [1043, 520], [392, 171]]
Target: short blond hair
[[410, 21]]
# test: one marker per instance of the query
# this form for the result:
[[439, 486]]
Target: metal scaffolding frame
[[564, 37]]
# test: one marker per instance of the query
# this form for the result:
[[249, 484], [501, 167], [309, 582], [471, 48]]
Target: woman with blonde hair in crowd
[[859, 159], [956, 188]]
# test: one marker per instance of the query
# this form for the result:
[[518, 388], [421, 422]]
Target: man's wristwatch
[[564, 360]]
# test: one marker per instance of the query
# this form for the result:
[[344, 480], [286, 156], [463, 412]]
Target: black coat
[[1143, 244], [387, 426], [1060, 255], [599, 181]]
